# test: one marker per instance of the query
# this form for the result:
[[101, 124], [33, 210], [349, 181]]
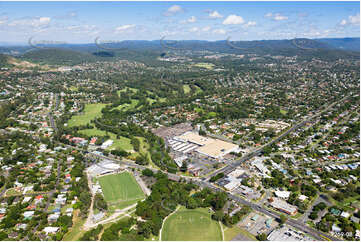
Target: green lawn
[[211, 115], [151, 100], [73, 88], [120, 188], [208, 66], [121, 143], [198, 110], [90, 112], [282, 111], [186, 89], [191, 225], [127, 106], [198, 90], [126, 89]]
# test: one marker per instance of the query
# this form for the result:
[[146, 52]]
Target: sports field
[[120, 189], [191, 225], [90, 112]]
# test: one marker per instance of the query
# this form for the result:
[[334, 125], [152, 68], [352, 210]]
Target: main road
[[291, 222], [294, 223], [259, 150]]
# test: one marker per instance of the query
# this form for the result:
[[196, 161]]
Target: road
[[291, 222], [259, 150]]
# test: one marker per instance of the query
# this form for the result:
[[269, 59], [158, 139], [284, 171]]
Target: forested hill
[[343, 43], [58, 56], [148, 51], [4, 60]]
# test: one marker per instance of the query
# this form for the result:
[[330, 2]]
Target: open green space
[[191, 225], [127, 89], [90, 112], [127, 106], [230, 233], [76, 231], [282, 111], [186, 89], [118, 143], [198, 110], [198, 90], [120, 189], [73, 88], [208, 66], [211, 115], [151, 100], [143, 149]]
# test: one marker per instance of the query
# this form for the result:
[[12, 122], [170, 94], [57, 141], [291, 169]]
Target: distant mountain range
[[330, 48], [343, 44]]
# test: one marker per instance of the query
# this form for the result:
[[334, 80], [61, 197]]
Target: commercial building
[[207, 146], [287, 234], [282, 206]]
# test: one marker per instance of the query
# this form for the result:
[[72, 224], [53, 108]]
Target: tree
[[218, 215], [262, 237], [283, 219], [184, 167], [191, 203], [313, 215], [147, 172]]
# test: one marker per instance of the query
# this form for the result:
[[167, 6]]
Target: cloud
[[343, 22], [279, 17], [219, 31], [206, 29], [3, 19], [352, 20], [83, 29], [173, 10], [67, 16], [215, 15], [233, 19], [250, 24], [123, 28], [190, 20], [268, 15], [34, 22], [194, 29], [276, 16], [355, 20]]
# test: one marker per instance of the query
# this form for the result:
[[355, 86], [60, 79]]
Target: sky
[[83, 22]]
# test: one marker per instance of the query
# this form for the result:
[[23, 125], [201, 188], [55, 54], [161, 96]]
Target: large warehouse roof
[[195, 138], [211, 147], [217, 148]]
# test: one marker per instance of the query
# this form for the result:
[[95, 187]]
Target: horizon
[[82, 22], [14, 44]]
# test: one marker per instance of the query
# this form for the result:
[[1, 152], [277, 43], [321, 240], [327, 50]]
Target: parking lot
[[257, 224]]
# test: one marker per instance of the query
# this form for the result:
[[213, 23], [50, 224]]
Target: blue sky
[[82, 22]]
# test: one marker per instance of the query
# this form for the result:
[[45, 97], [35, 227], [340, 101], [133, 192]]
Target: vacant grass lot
[[90, 112], [121, 143], [120, 189], [75, 232], [191, 225]]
